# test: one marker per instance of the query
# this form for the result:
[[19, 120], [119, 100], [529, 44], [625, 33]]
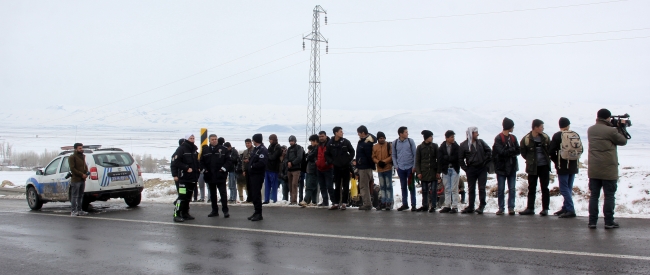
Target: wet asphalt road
[[144, 240]]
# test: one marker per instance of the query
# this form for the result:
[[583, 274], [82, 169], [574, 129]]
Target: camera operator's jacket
[[78, 166], [603, 157]]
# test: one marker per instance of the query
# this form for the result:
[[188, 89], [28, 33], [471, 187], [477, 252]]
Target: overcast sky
[[89, 53]]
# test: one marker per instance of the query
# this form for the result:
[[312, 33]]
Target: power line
[[504, 46], [490, 40], [175, 81], [472, 14]]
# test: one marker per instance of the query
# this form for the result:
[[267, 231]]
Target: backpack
[[503, 138], [571, 146]]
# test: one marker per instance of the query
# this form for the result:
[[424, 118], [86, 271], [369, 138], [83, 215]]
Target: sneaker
[[500, 212], [342, 206], [527, 212], [445, 210], [402, 208], [257, 217], [453, 211], [413, 209], [73, 214], [511, 211], [467, 210], [226, 215], [558, 213], [303, 204], [611, 225], [432, 210], [334, 207], [543, 213], [82, 213], [266, 202], [592, 226], [213, 214], [480, 210], [568, 215], [422, 209]]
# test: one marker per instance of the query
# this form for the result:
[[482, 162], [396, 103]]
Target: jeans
[[326, 184], [474, 175], [301, 185], [311, 190], [386, 186], [426, 186], [294, 179], [609, 188], [341, 190], [403, 180], [566, 189], [543, 174], [271, 186], [76, 195], [512, 192], [450, 180], [201, 188], [232, 185]]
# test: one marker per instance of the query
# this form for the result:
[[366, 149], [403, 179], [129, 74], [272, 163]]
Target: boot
[[251, 217], [214, 214], [453, 211], [511, 211], [445, 210], [528, 211], [178, 215], [480, 210], [422, 209], [432, 210], [187, 216], [257, 217], [558, 213], [467, 210], [226, 215], [543, 213], [568, 214], [402, 208], [500, 212]]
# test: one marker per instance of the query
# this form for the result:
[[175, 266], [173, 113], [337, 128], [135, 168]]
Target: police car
[[113, 174]]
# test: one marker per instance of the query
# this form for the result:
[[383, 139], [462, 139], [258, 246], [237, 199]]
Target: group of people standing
[[329, 164]]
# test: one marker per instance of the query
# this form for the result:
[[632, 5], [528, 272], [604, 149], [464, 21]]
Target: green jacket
[[603, 157], [529, 153], [78, 167], [426, 161]]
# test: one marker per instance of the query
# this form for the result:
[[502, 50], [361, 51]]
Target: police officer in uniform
[[186, 163], [214, 157], [257, 167]]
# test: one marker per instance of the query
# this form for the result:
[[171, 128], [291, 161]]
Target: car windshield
[[113, 159]]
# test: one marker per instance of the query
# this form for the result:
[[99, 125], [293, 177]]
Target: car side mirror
[[39, 172]]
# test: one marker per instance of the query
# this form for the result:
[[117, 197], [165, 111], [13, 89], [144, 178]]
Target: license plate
[[120, 178]]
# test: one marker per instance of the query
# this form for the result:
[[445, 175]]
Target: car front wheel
[[34, 202]]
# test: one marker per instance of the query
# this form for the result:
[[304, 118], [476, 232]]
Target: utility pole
[[313, 96]]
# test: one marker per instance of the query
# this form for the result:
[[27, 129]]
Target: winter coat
[[529, 152], [426, 161], [339, 153], [295, 155], [321, 158], [243, 166], [445, 159], [78, 167], [234, 160], [504, 154], [258, 161], [273, 161], [364, 152], [187, 157], [603, 155], [474, 158], [383, 152], [311, 161], [213, 159], [562, 166], [284, 171]]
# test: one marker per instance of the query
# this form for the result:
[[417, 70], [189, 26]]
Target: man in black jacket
[[311, 190], [295, 155], [534, 149], [257, 167], [340, 153], [365, 165], [186, 162], [232, 174], [566, 169], [214, 159], [449, 166], [504, 153], [272, 170], [474, 155]]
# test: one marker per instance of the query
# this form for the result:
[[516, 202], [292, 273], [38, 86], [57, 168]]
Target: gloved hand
[[223, 169], [381, 164]]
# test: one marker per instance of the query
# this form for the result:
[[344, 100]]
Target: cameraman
[[603, 166]]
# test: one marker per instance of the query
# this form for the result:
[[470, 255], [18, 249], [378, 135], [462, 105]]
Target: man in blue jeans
[[504, 153], [604, 138], [404, 160], [449, 166], [566, 168], [381, 155]]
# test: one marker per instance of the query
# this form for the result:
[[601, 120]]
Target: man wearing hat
[[504, 153], [426, 168], [186, 162], [603, 167], [566, 169], [381, 155], [257, 167]]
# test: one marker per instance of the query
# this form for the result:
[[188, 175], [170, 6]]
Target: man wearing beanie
[[505, 151], [603, 167], [272, 170], [426, 168], [534, 149], [257, 166], [382, 156], [566, 169]]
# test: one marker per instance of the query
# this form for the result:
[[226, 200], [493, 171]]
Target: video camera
[[68, 175], [621, 123]]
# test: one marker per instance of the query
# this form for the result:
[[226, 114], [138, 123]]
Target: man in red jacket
[[323, 170]]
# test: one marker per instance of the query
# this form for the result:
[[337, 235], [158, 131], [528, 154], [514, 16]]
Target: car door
[[50, 180], [63, 184]]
